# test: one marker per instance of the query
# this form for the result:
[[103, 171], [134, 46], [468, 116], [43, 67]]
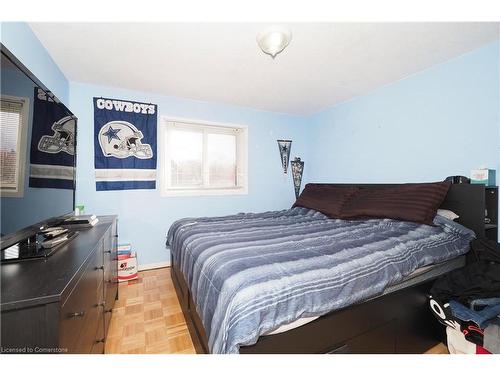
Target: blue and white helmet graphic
[[63, 139], [121, 139]]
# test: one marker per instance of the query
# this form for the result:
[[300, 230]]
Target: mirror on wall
[[37, 150]]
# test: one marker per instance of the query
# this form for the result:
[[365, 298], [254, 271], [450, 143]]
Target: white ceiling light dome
[[274, 39]]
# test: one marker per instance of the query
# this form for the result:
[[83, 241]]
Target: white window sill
[[11, 193], [203, 192]]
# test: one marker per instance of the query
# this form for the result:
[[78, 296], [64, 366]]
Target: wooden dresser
[[62, 304]]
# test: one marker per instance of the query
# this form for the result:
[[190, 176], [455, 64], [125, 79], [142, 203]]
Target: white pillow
[[447, 214]]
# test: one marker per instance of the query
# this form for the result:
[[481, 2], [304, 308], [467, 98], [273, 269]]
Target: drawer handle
[[100, 267], [108, 311], [107, 252], [76, 314], [115, 235], [100, 341]]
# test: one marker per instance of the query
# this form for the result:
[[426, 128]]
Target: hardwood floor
[[438, 349], [147, 318]]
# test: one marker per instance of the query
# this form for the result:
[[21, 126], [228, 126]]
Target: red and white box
[[127, 267]]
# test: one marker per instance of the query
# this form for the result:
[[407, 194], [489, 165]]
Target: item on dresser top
[[53, 241], [53, 236], [56, 236], [79, 209], [483, 176], [53, 232], [80, 221]]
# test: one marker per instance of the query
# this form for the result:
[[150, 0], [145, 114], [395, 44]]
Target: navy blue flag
[[52, 152], [124, 144]]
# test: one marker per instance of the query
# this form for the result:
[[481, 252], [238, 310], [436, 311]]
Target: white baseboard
[[152, 266]]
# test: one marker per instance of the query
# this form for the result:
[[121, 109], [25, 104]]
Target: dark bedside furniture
[[491, 212], [62, 304]]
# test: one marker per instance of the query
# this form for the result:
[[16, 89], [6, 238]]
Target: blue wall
[[439, 122], [145, 216], [22, 42]]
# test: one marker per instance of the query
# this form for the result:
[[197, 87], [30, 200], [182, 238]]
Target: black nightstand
[[491, 212]]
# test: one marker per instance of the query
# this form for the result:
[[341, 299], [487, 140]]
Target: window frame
[[204, 127], [18, 191]]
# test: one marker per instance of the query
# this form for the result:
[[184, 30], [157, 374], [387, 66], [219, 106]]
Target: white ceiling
[[324, 64]]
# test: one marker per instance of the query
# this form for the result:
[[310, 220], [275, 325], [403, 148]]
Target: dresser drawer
[[110, 291], [79, 313]]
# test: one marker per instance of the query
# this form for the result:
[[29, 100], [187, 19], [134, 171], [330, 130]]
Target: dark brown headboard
[[466, 200]]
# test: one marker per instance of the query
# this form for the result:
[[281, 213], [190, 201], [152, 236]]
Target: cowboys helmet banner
[[52, 152], [124, 144]]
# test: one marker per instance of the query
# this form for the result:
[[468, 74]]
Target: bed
[[298, 281]]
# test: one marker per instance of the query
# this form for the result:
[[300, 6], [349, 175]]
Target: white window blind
[[201, 159], [12, 112]]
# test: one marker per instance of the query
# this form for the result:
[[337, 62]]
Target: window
[[203, 159], [13, 122]]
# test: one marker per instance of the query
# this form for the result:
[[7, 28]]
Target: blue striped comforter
[[251, 273]]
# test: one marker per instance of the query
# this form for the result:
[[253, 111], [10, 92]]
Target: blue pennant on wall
[[297, 171], [284, 147]]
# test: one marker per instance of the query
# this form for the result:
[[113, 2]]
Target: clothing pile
[[468, 300]]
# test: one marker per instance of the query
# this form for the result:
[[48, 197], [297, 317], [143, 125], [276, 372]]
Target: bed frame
[[397, 322]]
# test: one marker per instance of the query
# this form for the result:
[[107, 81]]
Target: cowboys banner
[[52, 152], [124, 144]]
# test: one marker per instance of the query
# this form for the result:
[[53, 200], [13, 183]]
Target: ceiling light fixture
[[274, 40]]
